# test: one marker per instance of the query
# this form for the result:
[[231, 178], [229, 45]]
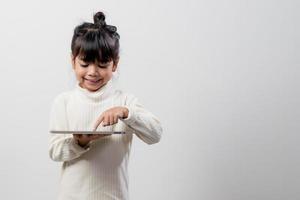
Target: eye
[[103, 66], [84, 65]]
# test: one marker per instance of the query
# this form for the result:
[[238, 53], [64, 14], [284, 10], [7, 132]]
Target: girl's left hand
[[111, 116]]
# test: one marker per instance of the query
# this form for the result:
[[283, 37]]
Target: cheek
[[79, 73], [106, 74]]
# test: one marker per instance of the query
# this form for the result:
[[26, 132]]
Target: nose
[[92, 70]]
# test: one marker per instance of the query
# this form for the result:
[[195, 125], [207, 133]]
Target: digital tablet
[[87, 132]]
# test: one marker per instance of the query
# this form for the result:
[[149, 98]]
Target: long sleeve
[[62, 147], [146, 126]]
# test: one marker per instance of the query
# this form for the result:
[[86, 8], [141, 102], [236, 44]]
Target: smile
[[92, 81]]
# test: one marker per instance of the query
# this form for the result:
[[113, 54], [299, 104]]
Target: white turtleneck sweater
[[98, 171]]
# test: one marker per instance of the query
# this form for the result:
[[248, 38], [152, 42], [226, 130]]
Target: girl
[[95, 166]]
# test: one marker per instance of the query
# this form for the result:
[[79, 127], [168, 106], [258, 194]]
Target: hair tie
[[111, 29], [100, 24]]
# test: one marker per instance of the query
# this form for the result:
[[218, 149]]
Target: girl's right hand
[[84, 139]]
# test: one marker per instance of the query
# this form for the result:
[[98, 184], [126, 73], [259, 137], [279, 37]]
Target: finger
[[97, 136], [93, 136], [85, 137], [111, 120], [103, 135], [120, 115], [116, 119], [105, 121], [98, 122], [76, 136]]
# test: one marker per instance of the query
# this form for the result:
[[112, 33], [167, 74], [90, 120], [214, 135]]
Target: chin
[[93, 88]]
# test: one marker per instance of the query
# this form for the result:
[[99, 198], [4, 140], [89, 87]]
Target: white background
[[222, 76]]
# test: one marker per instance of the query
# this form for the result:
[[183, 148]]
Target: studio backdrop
[[222, 76]]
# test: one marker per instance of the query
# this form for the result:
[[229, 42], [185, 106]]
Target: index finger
[[98, 122]]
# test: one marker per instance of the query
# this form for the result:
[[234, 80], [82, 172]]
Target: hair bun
[[99, 19], [111, 28]]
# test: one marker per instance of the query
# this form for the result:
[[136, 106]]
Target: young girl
[[95, 166]]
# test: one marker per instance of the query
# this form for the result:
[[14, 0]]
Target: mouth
[[92, 81]]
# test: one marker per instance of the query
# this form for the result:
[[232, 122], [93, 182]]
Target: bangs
[[92, 47]]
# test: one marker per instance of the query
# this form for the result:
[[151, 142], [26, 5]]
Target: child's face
[[92, 76]]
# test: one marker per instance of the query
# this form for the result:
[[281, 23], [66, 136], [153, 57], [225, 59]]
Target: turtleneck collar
[[101, 94]]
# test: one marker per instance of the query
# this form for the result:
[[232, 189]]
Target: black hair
[[96, 42]]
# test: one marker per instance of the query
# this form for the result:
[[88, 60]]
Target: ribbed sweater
[[98, 171]]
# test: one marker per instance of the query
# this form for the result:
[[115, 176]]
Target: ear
[[115, 66], [72, 61]]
